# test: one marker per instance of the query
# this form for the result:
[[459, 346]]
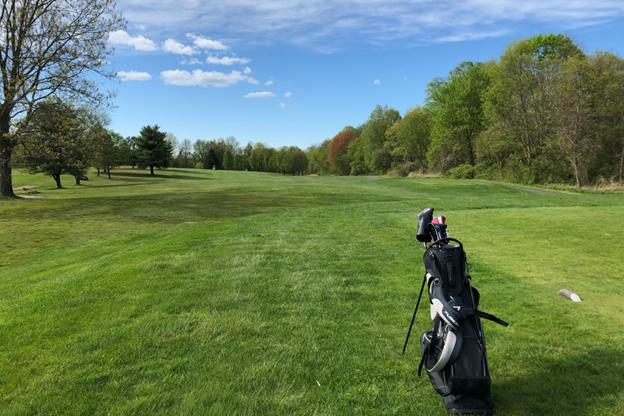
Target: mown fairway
[[201, 292]]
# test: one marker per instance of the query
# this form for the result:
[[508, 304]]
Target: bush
[[461, 172]]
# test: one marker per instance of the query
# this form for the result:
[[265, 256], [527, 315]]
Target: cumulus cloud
[[203, 78], [247, 70], [172, 46], [140, 43], [376, 82], [227, 60], [206, 43], [263, 94], [133, 76], [288, 95], [253, 81], [282, 105], [268, 83]]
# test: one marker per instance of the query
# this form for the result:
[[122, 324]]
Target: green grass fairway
[[221, 293]]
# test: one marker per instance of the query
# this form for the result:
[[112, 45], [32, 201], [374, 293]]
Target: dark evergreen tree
[[153, 149]]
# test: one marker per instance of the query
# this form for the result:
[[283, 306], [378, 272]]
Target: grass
[[203, 292]]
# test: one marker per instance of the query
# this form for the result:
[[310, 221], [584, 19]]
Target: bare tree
[[49, 48]]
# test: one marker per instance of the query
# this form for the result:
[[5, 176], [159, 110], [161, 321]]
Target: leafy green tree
[[458, 115], [408, 139], [257, 157], [370, 144], [228, 160], [132, 158], [54, 141], [107, 149], [49, 47], [154, 151], [519, 104], [318, 158]]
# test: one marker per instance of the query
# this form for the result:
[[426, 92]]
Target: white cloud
[[288, 95], [376, 82], [253, 81], [263, 94], [203, 78], [329, 25], [206, 43], [227, 60], [140, 43], [282, 105], [247, 70], [192, 61], [172, 46], [134, 76], [268, 83]]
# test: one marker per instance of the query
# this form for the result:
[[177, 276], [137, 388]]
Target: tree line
[[544, 112]]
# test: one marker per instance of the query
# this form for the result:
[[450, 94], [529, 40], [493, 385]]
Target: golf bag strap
[[490, 317]]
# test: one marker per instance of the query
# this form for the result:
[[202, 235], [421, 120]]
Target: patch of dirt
[[375, 177], [537, 191], [25, 188], [30, 196]]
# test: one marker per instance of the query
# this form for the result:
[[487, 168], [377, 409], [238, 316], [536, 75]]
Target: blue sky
[[299, 71]]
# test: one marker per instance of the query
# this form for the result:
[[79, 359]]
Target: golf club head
[[424, 219]]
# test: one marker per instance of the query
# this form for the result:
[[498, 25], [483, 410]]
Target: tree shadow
[[570, 385], [158, 175]]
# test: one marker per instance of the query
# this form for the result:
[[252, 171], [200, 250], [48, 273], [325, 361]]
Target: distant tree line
[[545, 111]]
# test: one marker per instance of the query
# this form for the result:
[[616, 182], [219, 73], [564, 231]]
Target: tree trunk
[[577, 171], [57, 179], [108, 173], [152, 170], [6, 150], [98, 171], [621, 165], [77, 179]]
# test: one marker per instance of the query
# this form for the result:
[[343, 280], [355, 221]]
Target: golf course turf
[[215, 292]]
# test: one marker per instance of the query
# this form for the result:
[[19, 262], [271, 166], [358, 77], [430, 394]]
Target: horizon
[[285, 74]]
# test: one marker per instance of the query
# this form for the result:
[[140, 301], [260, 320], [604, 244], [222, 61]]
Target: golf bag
[[453, 351]]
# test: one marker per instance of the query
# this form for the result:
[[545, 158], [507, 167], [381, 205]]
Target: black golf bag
[[453, 351]]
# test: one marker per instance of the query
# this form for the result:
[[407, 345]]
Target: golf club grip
[[446, 239]]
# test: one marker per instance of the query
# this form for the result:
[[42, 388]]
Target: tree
[[588, 98], [107, 149], [519, 103], [370, 144], [408, 139], [186, 153], [49, 47], [458, 115], [338, 157], [154, 151], [54, 141], [132, 159], [318, 157]]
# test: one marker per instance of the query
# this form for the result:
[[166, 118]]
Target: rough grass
[[202, 292]]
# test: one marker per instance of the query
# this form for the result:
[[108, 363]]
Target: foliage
[[55, 141], [318, 157], [458, 115], [154, 151], [339, 161]]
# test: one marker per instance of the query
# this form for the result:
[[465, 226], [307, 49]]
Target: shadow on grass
[[160, 175], [570, 385]]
